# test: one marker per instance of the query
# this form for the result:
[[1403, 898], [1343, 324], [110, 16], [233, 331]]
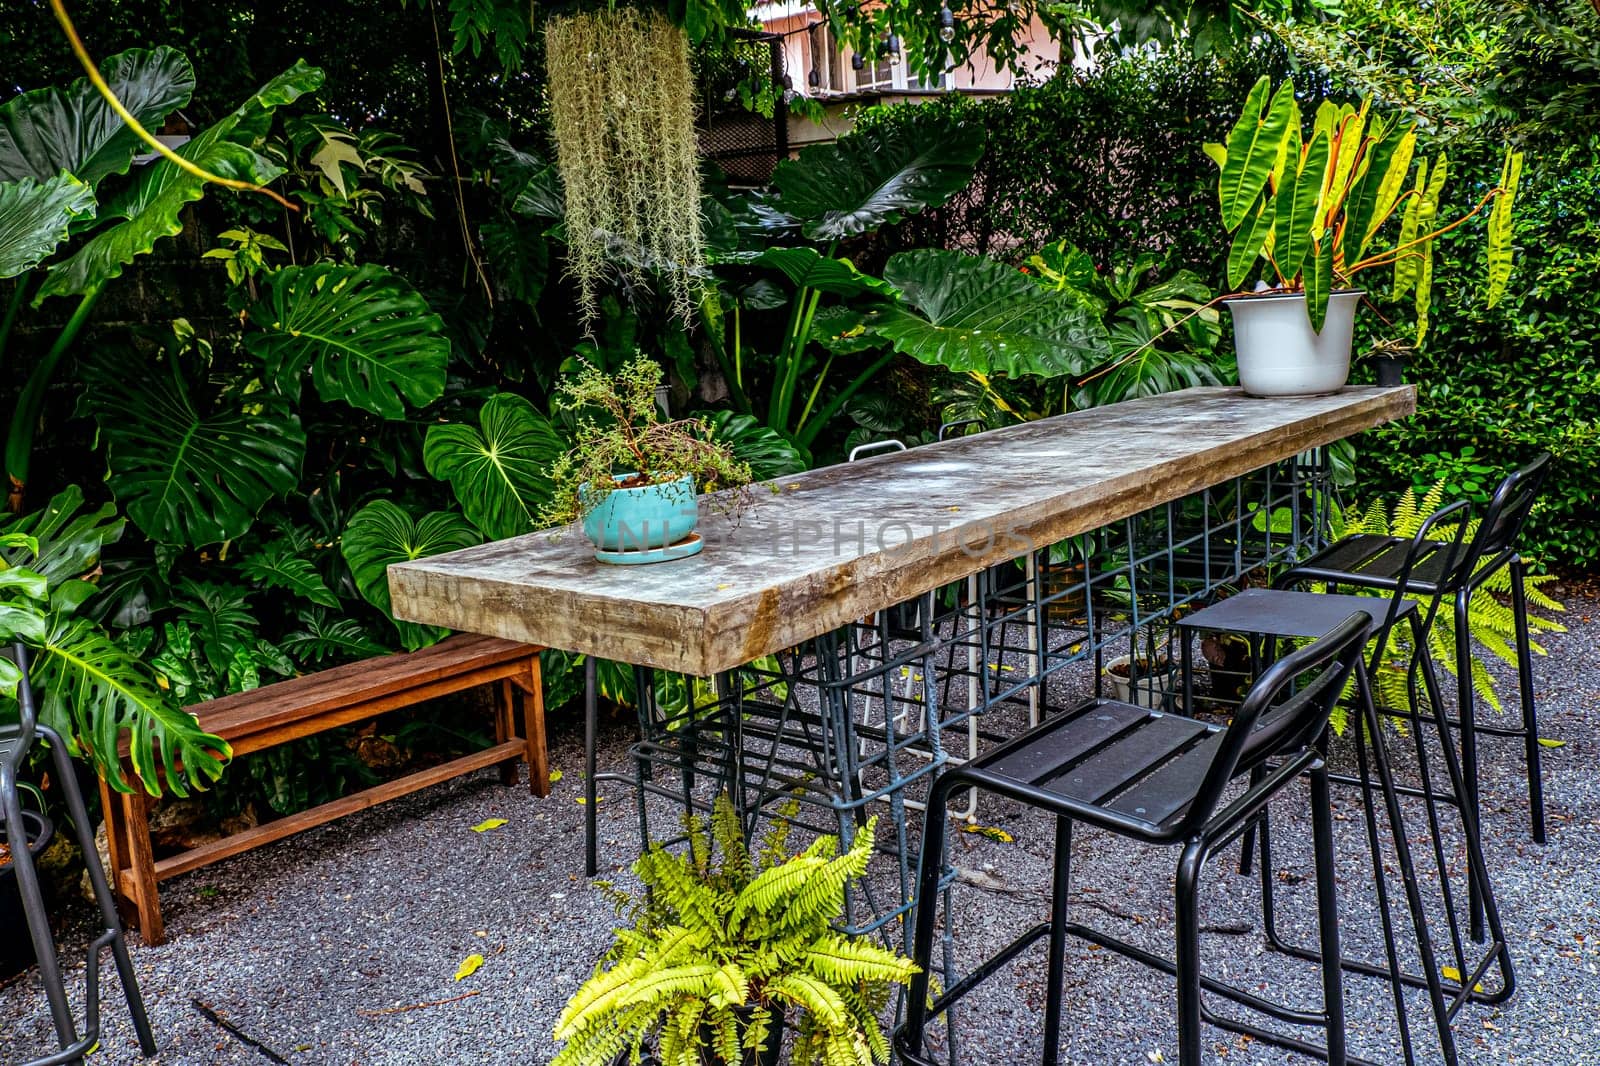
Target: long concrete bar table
[[833, 545]]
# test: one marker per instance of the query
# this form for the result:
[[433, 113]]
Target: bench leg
[[533, 730], [117, 846], [505, 710], [139, 877]]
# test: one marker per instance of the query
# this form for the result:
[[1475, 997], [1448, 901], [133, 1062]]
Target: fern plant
[[726, 944], [1491, 624]]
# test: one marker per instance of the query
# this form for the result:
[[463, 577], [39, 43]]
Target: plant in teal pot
[[632, 477]]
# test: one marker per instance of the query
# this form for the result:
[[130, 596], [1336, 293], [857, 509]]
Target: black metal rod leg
[[933, 832], [44, 944], [1188, 953], [102, 891], [1530, 714], [1327, 914], [1056, 978], [591, 730], [1466, 709]]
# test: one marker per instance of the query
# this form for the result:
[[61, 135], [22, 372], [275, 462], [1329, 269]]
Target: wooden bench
[[304, 706]]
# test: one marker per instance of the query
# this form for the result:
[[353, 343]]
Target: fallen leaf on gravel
[[555, 775], [469, 966], [583, 801], [1450, 973], [991, 832], [1548, 743], [488, 824]]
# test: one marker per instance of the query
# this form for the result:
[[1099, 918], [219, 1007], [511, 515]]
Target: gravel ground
[[341, 945]]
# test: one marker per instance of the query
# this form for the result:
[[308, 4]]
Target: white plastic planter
[[1281, 355], [1151, 688]]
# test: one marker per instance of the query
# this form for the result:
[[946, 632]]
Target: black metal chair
[[1161, 779], [1368, 561], [1437, 552], [15, 742]]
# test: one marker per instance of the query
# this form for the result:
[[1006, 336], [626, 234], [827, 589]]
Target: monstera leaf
[[381, 533], [369, 339], [48, 131], [973, 315], [878, 176], [497, 471], [768, 452], [68, 544], [35, 217], [187, 477], [94, 692], [151, 207]]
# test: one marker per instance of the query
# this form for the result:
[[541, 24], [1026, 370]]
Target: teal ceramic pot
[[645, 517]]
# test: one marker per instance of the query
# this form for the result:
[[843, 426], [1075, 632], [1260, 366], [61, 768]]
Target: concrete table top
[[833, 545]]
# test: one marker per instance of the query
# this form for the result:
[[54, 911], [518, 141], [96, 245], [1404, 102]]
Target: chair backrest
[[24, 730], [1507, 513], [1286, 710]]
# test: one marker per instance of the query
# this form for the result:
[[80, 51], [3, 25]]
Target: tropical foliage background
[[225, 417]]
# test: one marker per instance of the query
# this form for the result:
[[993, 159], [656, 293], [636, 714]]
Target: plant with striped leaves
[[725, 946], [1313, 207]]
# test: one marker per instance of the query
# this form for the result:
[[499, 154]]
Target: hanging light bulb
[[894, 45], [814, 79], [856, 61], [947, 24]]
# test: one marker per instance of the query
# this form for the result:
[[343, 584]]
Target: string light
[[947, 24]]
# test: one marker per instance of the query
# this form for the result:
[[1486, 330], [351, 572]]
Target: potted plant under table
[[632, 477], [727, 949], [1313, 207]]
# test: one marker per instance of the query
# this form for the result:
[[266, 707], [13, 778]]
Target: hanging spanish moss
[[622, 108]]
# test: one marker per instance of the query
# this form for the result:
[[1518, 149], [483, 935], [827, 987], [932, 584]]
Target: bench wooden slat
[[288, 826], [310, 694]]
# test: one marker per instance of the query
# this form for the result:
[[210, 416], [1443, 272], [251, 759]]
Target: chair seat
[[1137, 763], [1287, 613], [1376, 561]]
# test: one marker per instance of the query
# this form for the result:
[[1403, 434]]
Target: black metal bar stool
[[1161, 779], [15, 742], [1269, 616], [1368, 561]]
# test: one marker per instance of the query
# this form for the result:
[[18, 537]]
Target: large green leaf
[[35, 217], [808, 268], [497, 471], [877, 176], [187, 477], [69, 543], [1297, 203], [152, 206], [380, 534], [95, 692], [50, 130], [1500, 233], [369, 339], [973, 315], [767, 451], [1254, 146]]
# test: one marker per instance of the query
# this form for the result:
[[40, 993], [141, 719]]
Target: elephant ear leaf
[[497, 469], [95, 692], [45, 132], [768, 453], [380, 534], [877, 176], [973, 315], [368, 338], [35, 218], [190, 477], [1253, 149], [1500, 231], [152, 206]]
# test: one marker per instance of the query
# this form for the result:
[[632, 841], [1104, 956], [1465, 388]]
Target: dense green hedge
[[1110, 160]]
